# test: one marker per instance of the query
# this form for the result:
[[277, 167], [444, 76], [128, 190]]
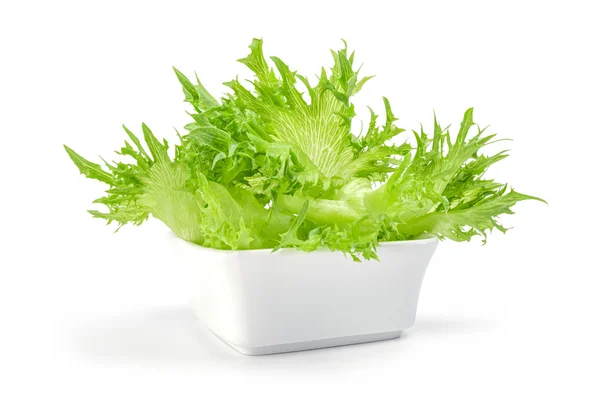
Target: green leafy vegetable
[[270, 166]]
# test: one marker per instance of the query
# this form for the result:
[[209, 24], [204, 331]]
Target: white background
[[88, 313]]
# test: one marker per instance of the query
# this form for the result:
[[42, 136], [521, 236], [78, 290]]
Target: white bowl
[[261, 302]]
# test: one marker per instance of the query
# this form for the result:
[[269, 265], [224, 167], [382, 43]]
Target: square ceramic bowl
[[261, 302]]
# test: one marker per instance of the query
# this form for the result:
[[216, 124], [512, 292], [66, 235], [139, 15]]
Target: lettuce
[[271, 166]]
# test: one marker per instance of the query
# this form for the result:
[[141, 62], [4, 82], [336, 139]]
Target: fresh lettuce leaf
[[275, 164]]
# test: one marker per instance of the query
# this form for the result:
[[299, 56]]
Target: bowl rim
[[427, 239]]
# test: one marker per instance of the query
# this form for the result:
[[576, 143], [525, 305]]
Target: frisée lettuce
[[274, 164]]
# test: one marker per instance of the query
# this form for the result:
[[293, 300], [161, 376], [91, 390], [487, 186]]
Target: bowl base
[[312, 345]]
